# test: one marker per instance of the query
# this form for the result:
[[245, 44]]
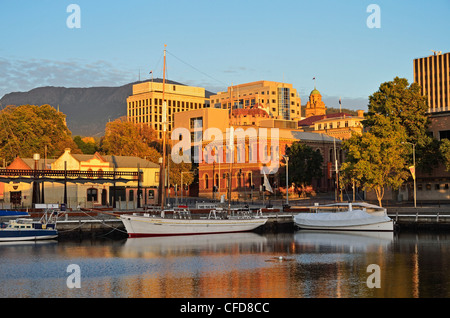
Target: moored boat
[[157, 223], [24, 229], [345, 217]]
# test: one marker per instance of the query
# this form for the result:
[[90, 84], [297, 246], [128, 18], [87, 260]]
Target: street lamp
[[414, 173], [287, 178]]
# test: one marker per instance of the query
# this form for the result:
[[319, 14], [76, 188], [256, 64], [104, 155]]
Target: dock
[[430, 217], [92, 224], [99, 223]]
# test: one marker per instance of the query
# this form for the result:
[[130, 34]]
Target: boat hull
[[27, 235], [381, 226], [142, 226]]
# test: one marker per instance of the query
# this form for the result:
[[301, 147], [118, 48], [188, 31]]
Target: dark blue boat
[[25, 229], [7, 213]]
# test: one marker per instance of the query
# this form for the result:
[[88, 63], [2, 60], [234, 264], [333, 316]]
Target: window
[[131, 195], [196, 123], [92, 195], [206, 181], [445, 134]]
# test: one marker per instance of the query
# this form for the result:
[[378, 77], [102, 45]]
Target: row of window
[[93, 195], [171, 103], [256, 93], [428, 186]]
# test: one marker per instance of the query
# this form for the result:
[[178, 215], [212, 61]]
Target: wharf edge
[[94, 223]]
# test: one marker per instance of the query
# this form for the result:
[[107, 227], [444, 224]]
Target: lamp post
[[287, 178], [414, 174]]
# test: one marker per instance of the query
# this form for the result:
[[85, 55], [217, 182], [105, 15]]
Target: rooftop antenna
[[436, 52]]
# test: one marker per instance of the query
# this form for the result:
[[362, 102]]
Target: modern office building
[[280, 100], [432, 73], [145, 105]]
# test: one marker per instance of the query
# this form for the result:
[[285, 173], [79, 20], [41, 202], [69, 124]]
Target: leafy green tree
[[374, 163], [379, 158], [402, 106], [445, 153], [305, 164], [29, 129], [124, 138], [86, 145]]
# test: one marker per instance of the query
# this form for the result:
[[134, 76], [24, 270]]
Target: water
[[247, 265]]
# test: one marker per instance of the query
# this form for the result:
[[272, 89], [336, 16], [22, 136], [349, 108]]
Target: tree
[[175, 170], [403, 107], [379, 158], [29, 129], [305, 164], [123, 138], [374, 163], [87, 145], [445, 153]]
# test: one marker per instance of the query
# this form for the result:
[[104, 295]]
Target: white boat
[[345, 217], [181, 223]]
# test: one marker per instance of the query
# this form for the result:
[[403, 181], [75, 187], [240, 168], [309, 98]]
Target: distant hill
[[87, 109]]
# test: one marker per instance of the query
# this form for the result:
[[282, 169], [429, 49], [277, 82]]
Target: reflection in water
[[289, 265]]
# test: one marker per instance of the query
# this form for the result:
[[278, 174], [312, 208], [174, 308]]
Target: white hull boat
[[146, 225], [345, 217]]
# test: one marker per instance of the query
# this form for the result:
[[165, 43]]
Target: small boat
[[359, 216], [9, 213], [24, 229], [156, 223]]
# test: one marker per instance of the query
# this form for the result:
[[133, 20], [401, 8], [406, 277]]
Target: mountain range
[[87, 110]]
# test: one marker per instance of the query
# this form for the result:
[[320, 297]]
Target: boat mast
[[231, 148], [164, 124]]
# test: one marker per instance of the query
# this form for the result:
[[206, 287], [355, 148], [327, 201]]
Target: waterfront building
[[145, 105], [339, 125], [432, 73], [85, 193], [280, 100], [214, 157]]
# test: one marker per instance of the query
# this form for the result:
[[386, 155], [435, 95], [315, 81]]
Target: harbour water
[[300, 264]]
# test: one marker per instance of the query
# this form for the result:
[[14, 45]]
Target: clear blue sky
[[214, 43]]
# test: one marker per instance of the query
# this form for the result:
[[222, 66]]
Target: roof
[[29, 163], [20, 164], [312, 119], [129, 162], [315, 92], [306, 136]]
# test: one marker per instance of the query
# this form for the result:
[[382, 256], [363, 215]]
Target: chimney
[[360, 113]]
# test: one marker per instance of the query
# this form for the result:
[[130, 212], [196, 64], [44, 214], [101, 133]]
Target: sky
[[217, 43]]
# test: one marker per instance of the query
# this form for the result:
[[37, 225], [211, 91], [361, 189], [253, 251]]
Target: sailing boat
[[160, 221]]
